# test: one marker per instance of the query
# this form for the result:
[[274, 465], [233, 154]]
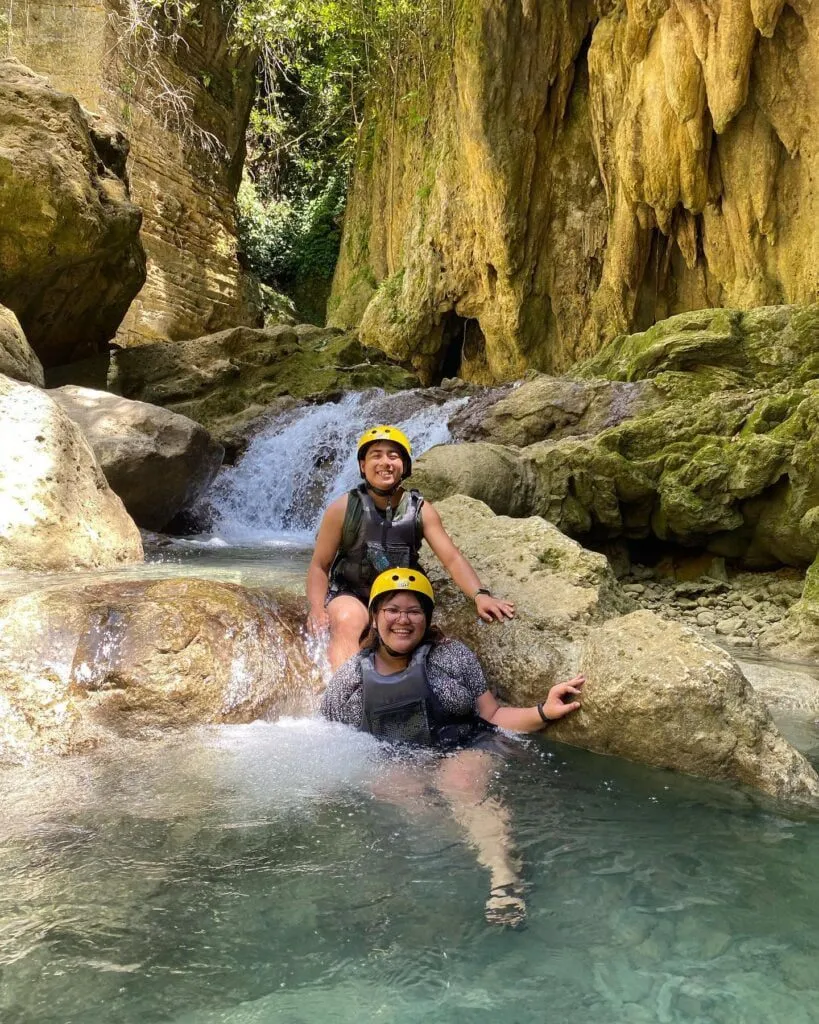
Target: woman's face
[[383, 465], [401, 622]]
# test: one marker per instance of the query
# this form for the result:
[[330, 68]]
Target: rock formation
[[79, 666], [552, 174], [184, 108], [18, 359], [225, 380], [719, 453], [57, 511], [656, 692], [156, 461], [70, 256]]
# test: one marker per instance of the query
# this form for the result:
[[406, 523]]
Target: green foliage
[[285, 240]]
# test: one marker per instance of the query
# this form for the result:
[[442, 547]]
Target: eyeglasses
[[393, 614]]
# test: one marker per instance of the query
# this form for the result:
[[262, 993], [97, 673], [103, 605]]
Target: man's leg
[[348, 617]]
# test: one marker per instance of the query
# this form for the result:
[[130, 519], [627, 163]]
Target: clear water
[[248, 875]]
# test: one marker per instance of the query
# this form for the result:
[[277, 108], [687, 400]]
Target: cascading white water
[[305, 458]]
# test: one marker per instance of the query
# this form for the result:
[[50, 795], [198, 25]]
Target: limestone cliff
[[566, 171], [184, 108]]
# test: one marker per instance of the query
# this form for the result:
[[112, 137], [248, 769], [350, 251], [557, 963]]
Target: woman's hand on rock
[[560, 701], [494, 608], [318, 620]]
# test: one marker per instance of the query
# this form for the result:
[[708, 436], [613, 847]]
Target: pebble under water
[[245, 875]]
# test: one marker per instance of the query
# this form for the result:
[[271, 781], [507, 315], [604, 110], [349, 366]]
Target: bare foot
[[506, 906]]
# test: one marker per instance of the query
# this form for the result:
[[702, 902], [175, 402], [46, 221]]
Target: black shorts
[[337, 589]]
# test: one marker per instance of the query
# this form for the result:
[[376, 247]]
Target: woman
[[411, 684], [377, 525]]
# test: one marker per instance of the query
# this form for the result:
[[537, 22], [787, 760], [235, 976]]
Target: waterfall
[[306, 457]]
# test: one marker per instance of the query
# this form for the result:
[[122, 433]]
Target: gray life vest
[[398, 707], [402, 707], [381, 541]]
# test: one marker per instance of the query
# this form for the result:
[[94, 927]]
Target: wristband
[[482, 590], [542, 714]]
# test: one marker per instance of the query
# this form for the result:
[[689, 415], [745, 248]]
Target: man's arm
[[328, 542], [460, 570]]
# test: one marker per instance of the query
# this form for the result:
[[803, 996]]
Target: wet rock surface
[[84, 666]]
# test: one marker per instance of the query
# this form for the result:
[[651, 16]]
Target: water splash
[[306, 457]]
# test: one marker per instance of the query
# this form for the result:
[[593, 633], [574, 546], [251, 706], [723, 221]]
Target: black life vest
[[381, 542], [402, 707]]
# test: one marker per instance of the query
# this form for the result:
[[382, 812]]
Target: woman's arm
[[328, 541], [342, 700], [529, 719], [460, 570]]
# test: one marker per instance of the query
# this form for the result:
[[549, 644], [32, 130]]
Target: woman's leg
[[463, 780], [348, 617]]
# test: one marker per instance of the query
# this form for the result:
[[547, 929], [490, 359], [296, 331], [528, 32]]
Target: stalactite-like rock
[[578, 171]]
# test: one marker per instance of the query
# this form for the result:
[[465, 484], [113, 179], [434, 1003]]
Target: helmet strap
[[382, 492], [389, 650]]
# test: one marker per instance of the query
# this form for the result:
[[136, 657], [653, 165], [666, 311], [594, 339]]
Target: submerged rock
[[82, 666], [56, 508], [18, 359], [157, 461], [70, 259], [657, 692]]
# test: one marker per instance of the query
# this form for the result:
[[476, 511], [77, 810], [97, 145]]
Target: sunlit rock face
[[81, 666], [156, 461], [578, 170], [70, 256], [57, 511], [184, 110], [656, 693]]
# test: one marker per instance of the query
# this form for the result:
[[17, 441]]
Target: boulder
[[657, 692], [226, 380], [723, 460], [17, 358], [85, 665], [157, 461], [70, 256], [553, 407], [57, 511], [491, 473]]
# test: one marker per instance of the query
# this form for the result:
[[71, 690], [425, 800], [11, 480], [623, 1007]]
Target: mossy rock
[[227, 379], [729, 462]]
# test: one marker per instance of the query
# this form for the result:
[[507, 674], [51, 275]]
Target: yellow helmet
[[384, 432], [412, 580]]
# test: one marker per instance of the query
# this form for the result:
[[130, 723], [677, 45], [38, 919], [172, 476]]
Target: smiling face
[[383, 465], [401, 621]]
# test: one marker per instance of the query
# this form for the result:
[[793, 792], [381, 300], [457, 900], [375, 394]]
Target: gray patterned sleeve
[[455, 663], [342, 701]]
